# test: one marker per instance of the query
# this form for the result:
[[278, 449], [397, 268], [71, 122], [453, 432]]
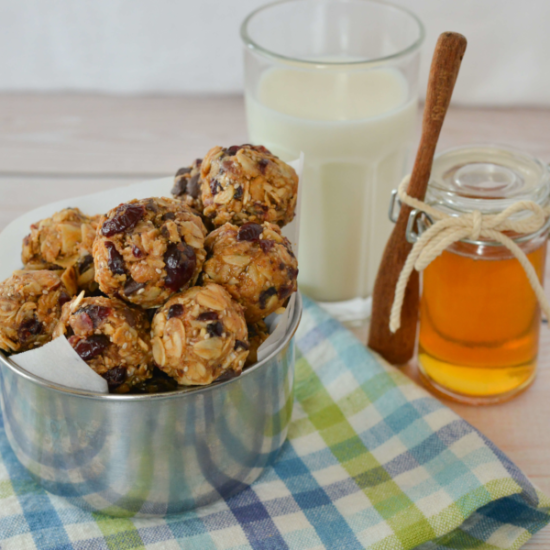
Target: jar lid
[[487, 178]]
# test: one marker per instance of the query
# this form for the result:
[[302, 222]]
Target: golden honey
[[479, 316], [480, 320]]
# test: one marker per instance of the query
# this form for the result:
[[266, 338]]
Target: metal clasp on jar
[[417, 218], [417, 223], [395, 207]]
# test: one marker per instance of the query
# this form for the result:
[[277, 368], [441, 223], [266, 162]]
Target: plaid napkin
[[372, 461]]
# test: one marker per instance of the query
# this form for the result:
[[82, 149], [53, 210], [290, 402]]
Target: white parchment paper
[[58, 362]]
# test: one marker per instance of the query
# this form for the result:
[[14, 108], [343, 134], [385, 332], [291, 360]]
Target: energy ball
[[199, 336], [187, 186], [112, 337], [146, 250], [30, 307], [247, 183], [258, 333], [255, 264], [62, 241]]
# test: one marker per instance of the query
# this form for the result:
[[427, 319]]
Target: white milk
[[355, 129]]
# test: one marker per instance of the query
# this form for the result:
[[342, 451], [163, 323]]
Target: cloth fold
[[372, 461]]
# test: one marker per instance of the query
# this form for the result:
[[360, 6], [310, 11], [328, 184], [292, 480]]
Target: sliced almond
[[249, 166], [240, 261], [86, 278], [206, 298], [69, 279], [76, 302], [271, 302], [209, 349], [174, 338], [71, 235], [158, 352], [225, 196]]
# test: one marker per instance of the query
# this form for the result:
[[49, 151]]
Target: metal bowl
[[151, 455]]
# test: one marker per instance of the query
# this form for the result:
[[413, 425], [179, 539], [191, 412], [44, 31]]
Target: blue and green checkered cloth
[[372, 461]]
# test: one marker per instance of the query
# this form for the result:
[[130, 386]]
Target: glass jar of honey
[[479, 315]]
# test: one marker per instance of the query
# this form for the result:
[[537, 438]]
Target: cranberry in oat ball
[[111, 336], [187, 186], [247, 183], [255, 264], [146, 250], [200, 335], [64, 240], [30, 307]]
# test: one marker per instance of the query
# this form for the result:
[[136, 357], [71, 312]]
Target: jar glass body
[[479, 316], [479, 321]]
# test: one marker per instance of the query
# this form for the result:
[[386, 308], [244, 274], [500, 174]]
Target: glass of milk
[[338, 80]]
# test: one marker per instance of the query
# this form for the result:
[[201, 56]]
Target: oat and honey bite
[[255, 264], [258, 333], [187, 186], [62, 241], [30, 307], [247, 183], [146, 250], [199, 336], [112, 337]]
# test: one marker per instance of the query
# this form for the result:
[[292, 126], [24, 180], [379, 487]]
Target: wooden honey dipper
[[398, 348]]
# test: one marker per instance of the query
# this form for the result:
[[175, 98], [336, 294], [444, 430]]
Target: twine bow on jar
[[448, 229]]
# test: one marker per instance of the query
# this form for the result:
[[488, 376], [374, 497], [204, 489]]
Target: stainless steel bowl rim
[[293, 327]]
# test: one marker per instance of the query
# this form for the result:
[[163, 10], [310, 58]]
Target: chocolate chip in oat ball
[[238, 194], [265, 295], [285, 291], [292, 272], [132, 286], [126, 217], [175, 311], [151, 206], [85, 263], [214, 329], [208, 316], [233, 150], [179, 188], [115, 377], [168, 216], [115, 261], [250, 232], [266, 245], [180, 262], [63, 298], [29, 328], [193, 186], [160, 382], [92, 346], [96, 313], [215, 187], [263, 163], [183, 171], [240, 344]]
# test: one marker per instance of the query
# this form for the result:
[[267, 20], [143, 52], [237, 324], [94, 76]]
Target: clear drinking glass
[[338, 80]]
